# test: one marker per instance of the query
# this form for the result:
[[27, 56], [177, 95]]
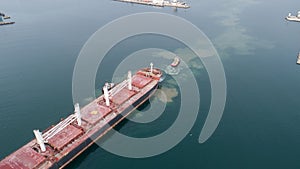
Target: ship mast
[[106, 95], [129, 80], [77, 114], [151, 67], [39, 139]]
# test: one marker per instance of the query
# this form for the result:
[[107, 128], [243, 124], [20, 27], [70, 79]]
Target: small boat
[[290, 17], [298, 59], [175, 62], [4, 17]]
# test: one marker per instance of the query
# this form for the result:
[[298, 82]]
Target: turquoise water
[[258, 48]]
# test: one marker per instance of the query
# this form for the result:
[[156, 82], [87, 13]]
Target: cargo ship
[[58, 145], [158, 3]]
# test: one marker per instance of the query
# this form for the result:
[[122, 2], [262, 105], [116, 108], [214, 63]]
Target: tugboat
[[290, 17], [175, 62], [298, 59], [172, 69]]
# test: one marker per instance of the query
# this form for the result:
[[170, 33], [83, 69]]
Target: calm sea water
[[261, 122]]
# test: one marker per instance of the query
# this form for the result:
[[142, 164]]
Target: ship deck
[[25, 158]]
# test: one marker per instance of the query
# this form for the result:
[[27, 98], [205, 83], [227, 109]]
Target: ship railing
[[57, 128], [118, 88]]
